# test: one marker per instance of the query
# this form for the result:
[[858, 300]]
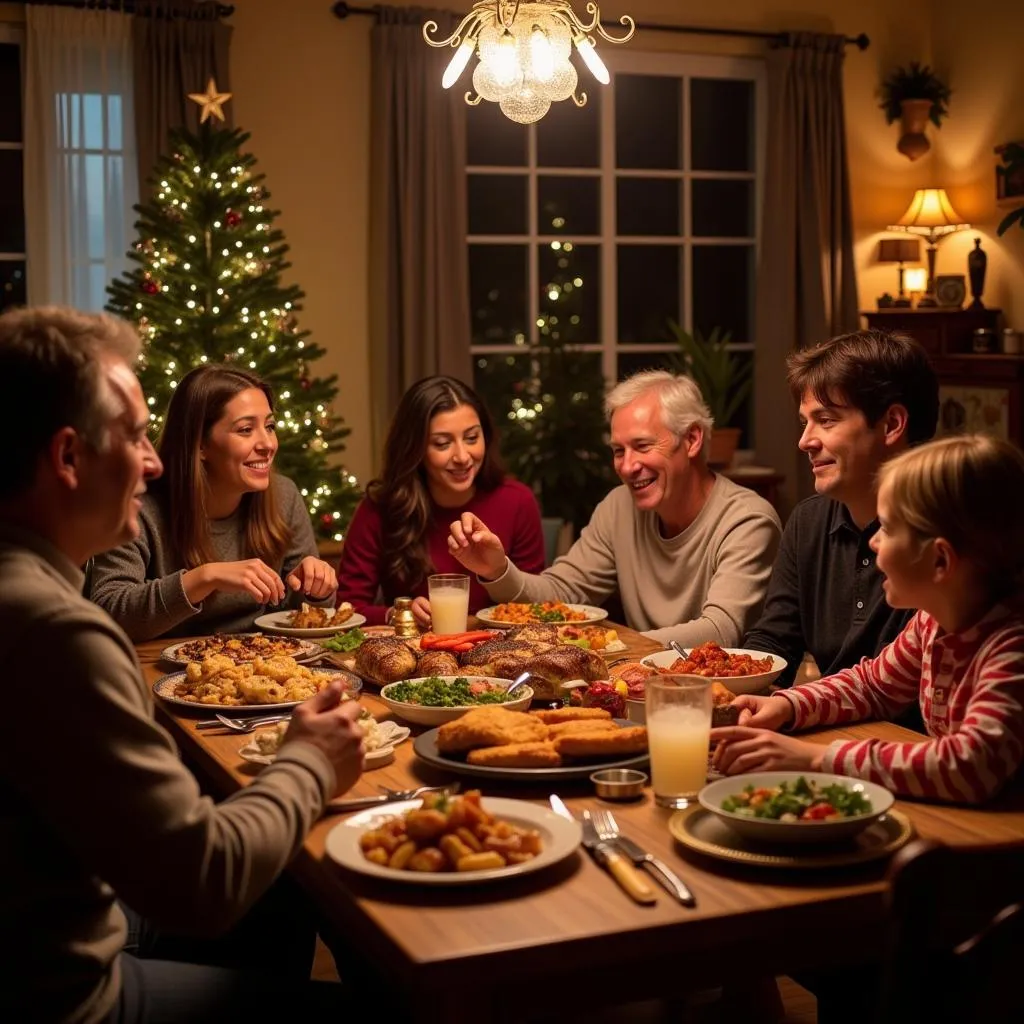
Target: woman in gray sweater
[[221, 536]]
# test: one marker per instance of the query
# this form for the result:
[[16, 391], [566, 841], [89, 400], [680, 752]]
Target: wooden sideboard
[[977, 392]]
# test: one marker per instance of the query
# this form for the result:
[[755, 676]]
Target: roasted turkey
[[558, 665], [437, 663], [500, 658], [385, 659]]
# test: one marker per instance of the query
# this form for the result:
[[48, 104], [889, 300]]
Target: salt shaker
[[1011, 341], [402, 618]]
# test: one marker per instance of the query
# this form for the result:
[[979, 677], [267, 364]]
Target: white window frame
[[16, 35], [627, 61]]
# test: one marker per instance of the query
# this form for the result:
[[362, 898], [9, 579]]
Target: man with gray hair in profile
[[689, 551]]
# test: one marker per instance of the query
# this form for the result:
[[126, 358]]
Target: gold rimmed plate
[[698, 830]]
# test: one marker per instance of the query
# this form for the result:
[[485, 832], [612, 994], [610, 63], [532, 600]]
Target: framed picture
[[1010, 173], [972, 410]]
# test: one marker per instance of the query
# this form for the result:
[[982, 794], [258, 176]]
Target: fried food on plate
[[488, 726], [631, 740], [576, 725], [517, 755], [568, 714]]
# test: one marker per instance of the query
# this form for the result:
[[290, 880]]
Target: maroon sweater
[[510, 511]]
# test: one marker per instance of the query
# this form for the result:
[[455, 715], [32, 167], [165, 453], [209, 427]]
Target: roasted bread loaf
[[385, 659], [437, 663], [501, 658]]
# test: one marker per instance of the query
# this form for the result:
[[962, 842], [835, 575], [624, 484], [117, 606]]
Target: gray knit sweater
[[140, 586]]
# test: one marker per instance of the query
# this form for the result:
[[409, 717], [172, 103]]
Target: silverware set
[[243, 724], [388, 796]]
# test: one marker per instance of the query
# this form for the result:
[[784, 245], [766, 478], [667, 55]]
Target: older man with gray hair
[[689, 551]]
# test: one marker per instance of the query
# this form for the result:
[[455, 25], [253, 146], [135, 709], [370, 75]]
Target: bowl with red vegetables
[[434, 700], [796, 807]]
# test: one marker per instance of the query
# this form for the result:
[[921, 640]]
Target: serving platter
[[559, 836], [391, 733], [425, 748], [756, 683], [591, 615], [301, 650], [277, 623]]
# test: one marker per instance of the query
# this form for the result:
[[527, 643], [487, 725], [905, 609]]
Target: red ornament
[[327, 519], [305, 383], [150, 287], [232, 218]]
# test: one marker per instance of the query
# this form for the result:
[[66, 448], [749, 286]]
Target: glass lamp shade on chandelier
[[523, 51]]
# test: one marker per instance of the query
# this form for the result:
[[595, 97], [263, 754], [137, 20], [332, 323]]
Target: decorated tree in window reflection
[[206, 287]]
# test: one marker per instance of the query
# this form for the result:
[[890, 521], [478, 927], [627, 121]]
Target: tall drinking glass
[[678, 734], [448, 594]]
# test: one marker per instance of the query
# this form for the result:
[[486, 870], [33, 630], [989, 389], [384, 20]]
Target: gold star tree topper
[[211, 101]]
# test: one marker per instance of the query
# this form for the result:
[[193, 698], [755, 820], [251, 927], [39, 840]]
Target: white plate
[[422, 715], [277, 622], [560, 837], [305, 650], [165, 686], [738, 684], [787, 833], [486, 615], [391, 733]]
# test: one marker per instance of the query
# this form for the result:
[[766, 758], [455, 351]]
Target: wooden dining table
[[486, 952]]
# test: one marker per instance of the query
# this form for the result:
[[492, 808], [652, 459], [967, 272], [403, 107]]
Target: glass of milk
[[678, 729], [448, 593]]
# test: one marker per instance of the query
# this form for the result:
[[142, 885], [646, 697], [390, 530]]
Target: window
[[598, 224], [12, 202]]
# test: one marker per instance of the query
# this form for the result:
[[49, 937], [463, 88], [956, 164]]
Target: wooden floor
[[798, 1005]]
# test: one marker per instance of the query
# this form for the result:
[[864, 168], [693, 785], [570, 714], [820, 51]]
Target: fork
[[608, 830], [388, 796], [242, 724]]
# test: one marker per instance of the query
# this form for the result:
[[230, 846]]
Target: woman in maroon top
[[440, 460]]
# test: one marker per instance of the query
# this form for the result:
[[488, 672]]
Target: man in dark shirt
[[864, 398]]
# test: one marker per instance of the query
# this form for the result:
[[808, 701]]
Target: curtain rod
[[342, 10], [152, 8]]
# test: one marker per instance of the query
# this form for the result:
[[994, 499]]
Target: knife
[[658, 870], [609, 857]]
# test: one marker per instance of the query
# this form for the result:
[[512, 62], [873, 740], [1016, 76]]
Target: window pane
[[498, 204], [93, 207], [12, 284], [721, 124], [646, 206], [12, 211], [723, 209], [570, 206], [649, 291], [92, 113], [723, 289], [743, 417], [499, 379], [570, 311], [492, 140], [10, 90], [115, 130], [648, 121], [497, 294], [628, 363], [570, 136]]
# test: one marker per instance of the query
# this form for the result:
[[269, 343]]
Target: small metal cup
[[618, 783]]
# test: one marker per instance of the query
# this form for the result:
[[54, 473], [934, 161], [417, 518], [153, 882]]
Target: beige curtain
[[178, 46], [419, 274], [806, 284]]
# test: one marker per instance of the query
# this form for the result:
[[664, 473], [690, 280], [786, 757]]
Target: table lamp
[[930, 215], [899, 250]]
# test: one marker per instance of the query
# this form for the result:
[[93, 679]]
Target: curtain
[[80, 180], [419, 268], [806, 283], [178, 47]]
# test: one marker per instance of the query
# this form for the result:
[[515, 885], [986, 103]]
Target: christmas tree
[[206, 287]]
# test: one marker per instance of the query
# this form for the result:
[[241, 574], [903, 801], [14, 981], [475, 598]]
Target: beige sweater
[[706, 583], [94, 800]]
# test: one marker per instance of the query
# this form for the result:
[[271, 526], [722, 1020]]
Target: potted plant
[[1010, 180], [724, 380], [914, 96]]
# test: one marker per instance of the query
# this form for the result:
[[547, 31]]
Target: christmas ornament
[[305, 383], [211, 101], [232, 218], [150, 287], [327, 519]]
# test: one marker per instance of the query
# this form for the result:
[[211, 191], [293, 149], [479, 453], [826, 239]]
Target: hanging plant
[[916, 82]]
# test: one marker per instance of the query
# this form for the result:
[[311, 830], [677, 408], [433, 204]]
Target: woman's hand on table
[[331, 725], [314, 577], [421, 609], [476, 547], [763, 712], [250, 576], [743, 749]]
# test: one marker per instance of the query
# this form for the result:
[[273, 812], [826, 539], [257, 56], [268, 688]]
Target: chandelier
[[524, 52]]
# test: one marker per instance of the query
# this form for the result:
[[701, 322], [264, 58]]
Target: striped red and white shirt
[[970, 686]]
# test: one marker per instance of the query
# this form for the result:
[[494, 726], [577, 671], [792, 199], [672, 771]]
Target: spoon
[[679, 649], [518, 682]]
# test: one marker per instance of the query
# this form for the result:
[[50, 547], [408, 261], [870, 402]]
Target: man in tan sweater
[[95, 800], [689, 551]]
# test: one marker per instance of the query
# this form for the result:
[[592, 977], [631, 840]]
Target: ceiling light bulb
[[591, 59], [458, 63], [506, 60], [542, 56]]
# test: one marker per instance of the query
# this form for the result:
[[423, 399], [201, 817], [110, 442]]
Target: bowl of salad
[[434, 700], [796, 807]]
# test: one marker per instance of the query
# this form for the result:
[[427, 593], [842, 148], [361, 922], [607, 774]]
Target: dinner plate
[[559, 836], [164, 688], [277, 622], [701, 831], [486, 616], [391, 733], [738, 684], [305, 650], [425, 747]]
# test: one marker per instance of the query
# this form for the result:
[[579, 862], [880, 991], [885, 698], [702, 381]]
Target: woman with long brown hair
[[440, 460], [222, 536]]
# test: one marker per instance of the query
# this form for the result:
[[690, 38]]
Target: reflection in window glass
[[649, 291], [648, 121], [570, 136], [569, 293], [498, 204], [723, 289], [570, 206], [722, 124], [723, 208], [497, 293], [648, 206], [12, 284]]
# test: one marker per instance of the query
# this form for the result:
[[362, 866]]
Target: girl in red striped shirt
[[951, 544]]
